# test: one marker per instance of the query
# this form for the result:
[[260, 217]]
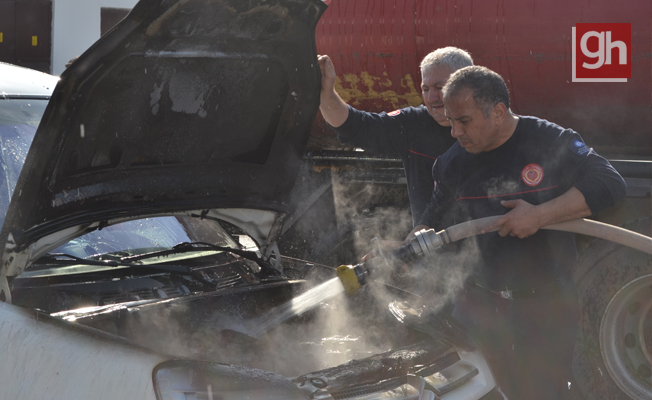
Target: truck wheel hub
[[626, 337]]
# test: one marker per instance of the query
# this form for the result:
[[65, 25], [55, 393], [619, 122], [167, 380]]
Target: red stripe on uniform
[[506, 194], [419, 154]]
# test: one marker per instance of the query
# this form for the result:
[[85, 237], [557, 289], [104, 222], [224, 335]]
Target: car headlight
[[192, 380]]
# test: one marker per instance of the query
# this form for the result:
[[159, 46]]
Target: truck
[[348, 196]]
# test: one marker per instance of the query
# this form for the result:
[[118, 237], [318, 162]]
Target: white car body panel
[[477, 387], [46, 359]]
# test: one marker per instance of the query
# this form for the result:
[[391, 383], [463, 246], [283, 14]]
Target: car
[[144, 195]]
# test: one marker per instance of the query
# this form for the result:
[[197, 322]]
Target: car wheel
[[613, 349]]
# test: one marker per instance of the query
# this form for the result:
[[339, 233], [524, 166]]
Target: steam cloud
[[438, 280], [339, 330]]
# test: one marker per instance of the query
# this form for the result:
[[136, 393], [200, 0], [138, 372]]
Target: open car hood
[[186, 105]]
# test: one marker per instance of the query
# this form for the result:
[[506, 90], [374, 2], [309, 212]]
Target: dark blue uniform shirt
[[412, 134], [539, 162]]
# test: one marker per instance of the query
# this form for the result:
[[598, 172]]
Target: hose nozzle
[[425, 244], [352, 277]]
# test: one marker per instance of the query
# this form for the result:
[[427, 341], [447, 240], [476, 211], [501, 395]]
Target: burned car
[[139, 248]]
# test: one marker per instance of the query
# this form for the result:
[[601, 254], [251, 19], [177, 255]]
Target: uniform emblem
[[532, 174], [394, 113], [578, 147]]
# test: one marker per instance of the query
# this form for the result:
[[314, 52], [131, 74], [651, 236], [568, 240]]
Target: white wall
[[76, 26]]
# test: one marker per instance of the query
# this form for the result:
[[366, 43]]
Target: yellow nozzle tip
[[349, 279]]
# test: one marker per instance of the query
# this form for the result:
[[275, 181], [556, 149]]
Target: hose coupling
[[426, 242]]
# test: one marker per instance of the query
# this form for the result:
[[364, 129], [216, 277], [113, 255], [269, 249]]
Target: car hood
[[185, 106]]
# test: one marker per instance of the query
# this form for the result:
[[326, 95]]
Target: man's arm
[[597, 186], [379, 133], [526, 219], [441, 204], [333, 108]]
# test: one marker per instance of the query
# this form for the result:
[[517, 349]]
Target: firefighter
[[418, 134], [519, 301]]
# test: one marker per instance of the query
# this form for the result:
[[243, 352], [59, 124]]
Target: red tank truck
[[376, 46]]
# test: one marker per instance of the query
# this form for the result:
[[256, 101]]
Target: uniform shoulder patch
[[578, 147], [532, 174], [394, 113]]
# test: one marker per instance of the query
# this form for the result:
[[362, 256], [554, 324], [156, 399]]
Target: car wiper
[[68, 259], [185, 247], [63, 259], [108, 260]]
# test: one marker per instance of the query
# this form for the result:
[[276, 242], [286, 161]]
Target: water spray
[[427, 242]]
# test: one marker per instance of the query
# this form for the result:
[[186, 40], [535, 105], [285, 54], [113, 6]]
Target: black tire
[[612, 358]]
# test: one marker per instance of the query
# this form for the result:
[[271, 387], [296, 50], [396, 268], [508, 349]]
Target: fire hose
[[426, 242]]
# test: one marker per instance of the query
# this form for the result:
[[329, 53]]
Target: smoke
[[437, 280], [365, 211], [339, 329], [500, 186], [215, 328]]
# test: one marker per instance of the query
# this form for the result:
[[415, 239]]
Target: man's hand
[[333, 108], [328, 75], [524, 220]]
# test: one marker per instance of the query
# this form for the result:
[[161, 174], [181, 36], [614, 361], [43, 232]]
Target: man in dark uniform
[[418, 134], [519, 302]]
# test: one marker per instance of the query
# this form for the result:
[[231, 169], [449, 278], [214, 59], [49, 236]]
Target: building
[[46, 34]]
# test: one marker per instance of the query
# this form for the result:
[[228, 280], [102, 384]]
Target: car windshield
[[19, 119], [146, 236]]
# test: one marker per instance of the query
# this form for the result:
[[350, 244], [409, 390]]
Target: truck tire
[[612, 358]]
